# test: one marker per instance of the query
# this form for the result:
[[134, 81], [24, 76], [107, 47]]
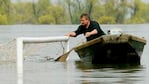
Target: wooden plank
[[122, 38]]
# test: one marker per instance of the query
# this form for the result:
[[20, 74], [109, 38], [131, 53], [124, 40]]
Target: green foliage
[[3, 20], [136, 20], [89, 4], [106, 20], [5, 6], [58, 14], [75, 8], [46, 19], [25, 13], [138, 12], [41, 6], [143, 11], [69, 11]]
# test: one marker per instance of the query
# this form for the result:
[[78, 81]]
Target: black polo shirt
[[93, 25]]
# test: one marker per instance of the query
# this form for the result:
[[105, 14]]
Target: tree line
[[68, 11]]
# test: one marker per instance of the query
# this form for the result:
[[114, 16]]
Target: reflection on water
[[110, 74], [86, 65], [73, 72]]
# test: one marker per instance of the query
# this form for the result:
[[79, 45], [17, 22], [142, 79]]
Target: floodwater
[[39, 67]]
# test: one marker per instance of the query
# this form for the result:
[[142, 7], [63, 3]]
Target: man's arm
[[71, 34], [93, 32], [76, 32]]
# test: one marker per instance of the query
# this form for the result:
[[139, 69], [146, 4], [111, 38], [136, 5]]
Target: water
[[38, 70]]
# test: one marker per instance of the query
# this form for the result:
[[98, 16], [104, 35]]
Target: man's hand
[[88, 34], [71, 34]]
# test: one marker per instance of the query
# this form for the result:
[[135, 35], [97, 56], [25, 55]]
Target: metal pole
[[22, 40], [20, 61]]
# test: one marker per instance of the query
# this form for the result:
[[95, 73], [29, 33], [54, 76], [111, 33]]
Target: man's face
[[84, 21]]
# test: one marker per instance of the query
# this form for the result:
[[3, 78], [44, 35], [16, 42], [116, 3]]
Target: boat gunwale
[[121, 38]]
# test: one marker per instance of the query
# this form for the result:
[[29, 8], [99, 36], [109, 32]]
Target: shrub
[[3, 20], [46, 19], [136, 20], [106, 20]]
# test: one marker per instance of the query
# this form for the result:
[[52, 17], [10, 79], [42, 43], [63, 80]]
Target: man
[[90, 29]]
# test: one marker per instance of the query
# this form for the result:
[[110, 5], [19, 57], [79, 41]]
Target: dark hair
[[85, 15]]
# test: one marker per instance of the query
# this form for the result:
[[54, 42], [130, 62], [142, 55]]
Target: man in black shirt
[[90, 29]]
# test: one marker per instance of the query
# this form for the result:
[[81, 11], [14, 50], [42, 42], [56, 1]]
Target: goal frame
[[20, 45]]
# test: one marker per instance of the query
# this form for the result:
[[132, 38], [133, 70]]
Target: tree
[[137, 8], [58, 14], [3, 20], [42, 6], [121, 11], [46, 19], [89, 4], [106, 20], [69, 11], [75, 8], [24, 13], [146, 12], [6, 9]]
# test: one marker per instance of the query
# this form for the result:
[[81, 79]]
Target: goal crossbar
[[20, 44]]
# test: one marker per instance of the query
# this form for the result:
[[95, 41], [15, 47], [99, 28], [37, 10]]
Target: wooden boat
[[112, 49]]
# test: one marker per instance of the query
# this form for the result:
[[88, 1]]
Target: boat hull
[[112, 49]]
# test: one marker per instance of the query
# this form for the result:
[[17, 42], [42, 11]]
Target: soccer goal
[[21, 41]]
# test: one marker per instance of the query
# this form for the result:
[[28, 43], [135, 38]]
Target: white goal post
[[20, 45]]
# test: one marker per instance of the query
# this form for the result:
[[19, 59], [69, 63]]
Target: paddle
[[63, 57]]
